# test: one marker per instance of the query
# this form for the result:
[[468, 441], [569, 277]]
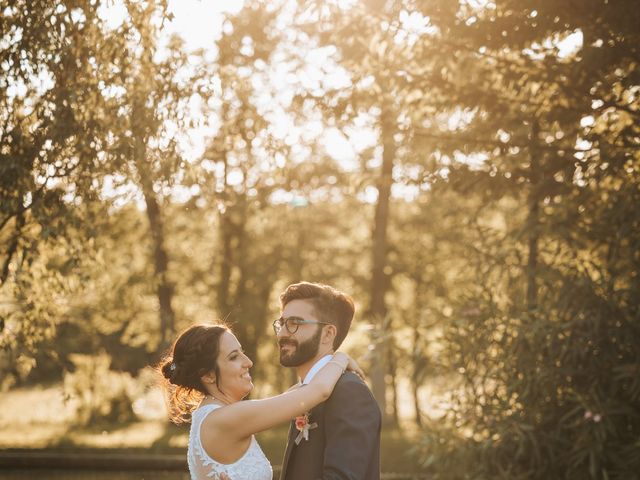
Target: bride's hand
[[355, 368]]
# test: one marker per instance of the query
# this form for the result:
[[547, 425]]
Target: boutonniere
[[303, 426]]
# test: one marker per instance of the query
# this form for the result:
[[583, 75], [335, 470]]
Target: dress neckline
[[199, 439]]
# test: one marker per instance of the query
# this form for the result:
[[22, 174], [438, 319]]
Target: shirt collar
[[316, 368]]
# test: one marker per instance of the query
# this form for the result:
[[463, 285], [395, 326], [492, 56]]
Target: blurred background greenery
[[468, 170]]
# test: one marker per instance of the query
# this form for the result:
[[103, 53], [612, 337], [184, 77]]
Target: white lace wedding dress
[[253, 465]]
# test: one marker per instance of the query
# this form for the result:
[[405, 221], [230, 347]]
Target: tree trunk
[[532, 261], [226, 239], [533, 222], [164, 288], [416, 375], [392, 376], [243, 301], [13, 246], [226, 264], [379, 278], [416, 403]]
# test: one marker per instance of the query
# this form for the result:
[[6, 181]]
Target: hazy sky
[[199, 23]]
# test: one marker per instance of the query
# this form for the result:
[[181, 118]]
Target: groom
[[339, 438]]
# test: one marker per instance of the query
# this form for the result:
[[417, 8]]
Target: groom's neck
[[303, 370]]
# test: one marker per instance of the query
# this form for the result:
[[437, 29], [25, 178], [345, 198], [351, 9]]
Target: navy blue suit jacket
[[346, 443]]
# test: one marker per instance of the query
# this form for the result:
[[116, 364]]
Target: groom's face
[[299, 347]]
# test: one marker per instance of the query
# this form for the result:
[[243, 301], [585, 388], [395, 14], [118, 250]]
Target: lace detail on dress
[[253, 465]]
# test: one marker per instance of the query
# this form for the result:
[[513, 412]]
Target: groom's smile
[[285, 342], [294, 353], [288, 347], [299, 343]]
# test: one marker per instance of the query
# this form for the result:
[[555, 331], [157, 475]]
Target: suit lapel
[[287, 453]]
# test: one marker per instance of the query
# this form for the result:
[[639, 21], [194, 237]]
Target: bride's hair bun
[[193, 355], [168, 369]]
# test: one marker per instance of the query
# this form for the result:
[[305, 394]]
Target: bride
[[207, 377]]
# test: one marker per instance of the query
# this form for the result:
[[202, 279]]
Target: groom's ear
[[329, 334]]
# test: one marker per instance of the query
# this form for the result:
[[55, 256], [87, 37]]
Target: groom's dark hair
[[329, 304]]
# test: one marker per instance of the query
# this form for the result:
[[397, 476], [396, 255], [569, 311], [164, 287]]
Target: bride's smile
[[235, 380]]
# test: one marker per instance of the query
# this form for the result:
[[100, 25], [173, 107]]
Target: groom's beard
[[301, 352]]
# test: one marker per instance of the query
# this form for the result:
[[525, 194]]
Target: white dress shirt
[[316, 368]]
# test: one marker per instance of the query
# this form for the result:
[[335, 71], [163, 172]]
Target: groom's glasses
[[293, 323]]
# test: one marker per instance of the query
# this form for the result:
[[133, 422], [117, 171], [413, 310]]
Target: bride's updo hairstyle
[[192, 355]]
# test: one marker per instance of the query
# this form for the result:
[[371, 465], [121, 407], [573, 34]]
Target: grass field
[[40, 418]]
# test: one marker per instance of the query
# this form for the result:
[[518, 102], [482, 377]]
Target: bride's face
[[235, 380]]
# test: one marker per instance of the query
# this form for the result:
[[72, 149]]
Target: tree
[[497, 110], [237, 175], [533, 352], [153, 100], [49, 140]]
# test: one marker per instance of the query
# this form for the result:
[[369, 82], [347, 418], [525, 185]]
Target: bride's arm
[[243, 419]]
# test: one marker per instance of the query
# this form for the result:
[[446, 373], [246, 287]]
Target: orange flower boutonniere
[[303, 426]]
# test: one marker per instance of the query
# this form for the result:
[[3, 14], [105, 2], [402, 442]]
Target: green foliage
[[513, 247], [99, 393], [533, 145]]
